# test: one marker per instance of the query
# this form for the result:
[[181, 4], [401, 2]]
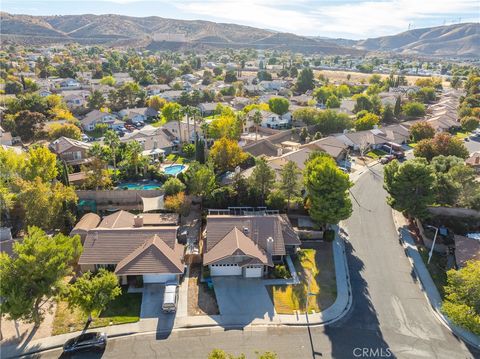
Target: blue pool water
[[174, 169], [139, 185]]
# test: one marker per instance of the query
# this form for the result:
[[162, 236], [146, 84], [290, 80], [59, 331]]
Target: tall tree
[[421, 130], [48, 206], [327, 190], [410, 186], [257, 120], [40, 163], [91, 293], [305, 80], [29, 124], [289, 182], [226, 154], [262, 179], [113, 141], [442, 144], [95, 100], [462, 299], [34, 274], [200, 180], [278, 105], [97, 175]]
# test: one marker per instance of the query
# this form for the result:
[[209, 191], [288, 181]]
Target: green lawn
[[95, 133], [158, 123], [462, 134], [124, 309], [314, 266], [375, 154], [437, 268]]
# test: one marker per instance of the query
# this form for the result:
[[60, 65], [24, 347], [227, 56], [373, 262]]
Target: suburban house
[[157, 89], [207, 108], [156, 142], [474, 161], [73, 152], [131, 246], [75, 99], [375, 138], [140, 114], [274, 85], [122, 78], [247, 245], [171, 95], [69, 84], [185, 130], [331, 145], [269, 120], [95, 116]]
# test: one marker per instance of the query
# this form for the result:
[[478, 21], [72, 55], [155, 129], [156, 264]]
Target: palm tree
[[113, 141], [133, 153], [187, 111], [257, 120]]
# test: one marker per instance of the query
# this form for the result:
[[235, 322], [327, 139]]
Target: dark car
[[87, 341], [386, 159]]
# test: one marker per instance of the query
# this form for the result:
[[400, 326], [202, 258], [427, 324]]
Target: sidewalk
[[428, 285], [335, 312]]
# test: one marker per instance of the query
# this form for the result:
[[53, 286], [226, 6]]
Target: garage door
[[225, 269], [158, 278], [253, 272]]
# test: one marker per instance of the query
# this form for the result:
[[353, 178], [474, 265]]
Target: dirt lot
[[358, 76], [201, 300]]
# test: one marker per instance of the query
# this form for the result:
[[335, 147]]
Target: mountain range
[[160, 33]]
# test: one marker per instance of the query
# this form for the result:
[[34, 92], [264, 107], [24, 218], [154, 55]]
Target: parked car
[[386, 159], [87, 341], [170, 297], [139, 124]]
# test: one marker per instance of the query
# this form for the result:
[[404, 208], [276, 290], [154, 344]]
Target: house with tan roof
[[145, 245], [474, 161], [247, 245], [73, 152]]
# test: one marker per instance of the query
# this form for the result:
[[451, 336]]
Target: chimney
[[279, 151], [269, 245], [138, 221], [375, 127]]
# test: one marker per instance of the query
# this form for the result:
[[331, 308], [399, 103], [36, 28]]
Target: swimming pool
[[174, 170], [140, 185]]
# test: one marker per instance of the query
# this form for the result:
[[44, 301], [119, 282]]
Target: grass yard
[[437, 268], [462, 134], [314, 265], [124, 309], [375, 154], [159, 123], [172, 157]]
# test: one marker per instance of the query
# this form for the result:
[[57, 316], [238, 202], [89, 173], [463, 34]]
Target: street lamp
[[433, 245]]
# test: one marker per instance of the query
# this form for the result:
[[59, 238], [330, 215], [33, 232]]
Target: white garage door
[[158, 278], [225, 269], [253, 272]]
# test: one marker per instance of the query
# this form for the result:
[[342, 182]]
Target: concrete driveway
[[243, 297], [152, 300]]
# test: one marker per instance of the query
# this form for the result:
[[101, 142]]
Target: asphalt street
[[390, 316]]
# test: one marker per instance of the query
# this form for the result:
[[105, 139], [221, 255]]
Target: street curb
[[457, 331]]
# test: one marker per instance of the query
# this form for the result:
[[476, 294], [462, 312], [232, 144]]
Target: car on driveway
[[170, 297], [85, 342], [386, 159]]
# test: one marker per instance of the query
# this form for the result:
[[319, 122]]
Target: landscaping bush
[[281, 271], [173, 186], [329, 235]]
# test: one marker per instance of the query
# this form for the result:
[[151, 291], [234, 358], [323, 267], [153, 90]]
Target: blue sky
[[349, 19]]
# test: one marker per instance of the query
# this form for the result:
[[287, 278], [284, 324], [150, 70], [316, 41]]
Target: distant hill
[[153, 32], [160, 33], [452, 40]]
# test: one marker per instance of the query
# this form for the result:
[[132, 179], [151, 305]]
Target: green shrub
[[329, 235], [281, 271]]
